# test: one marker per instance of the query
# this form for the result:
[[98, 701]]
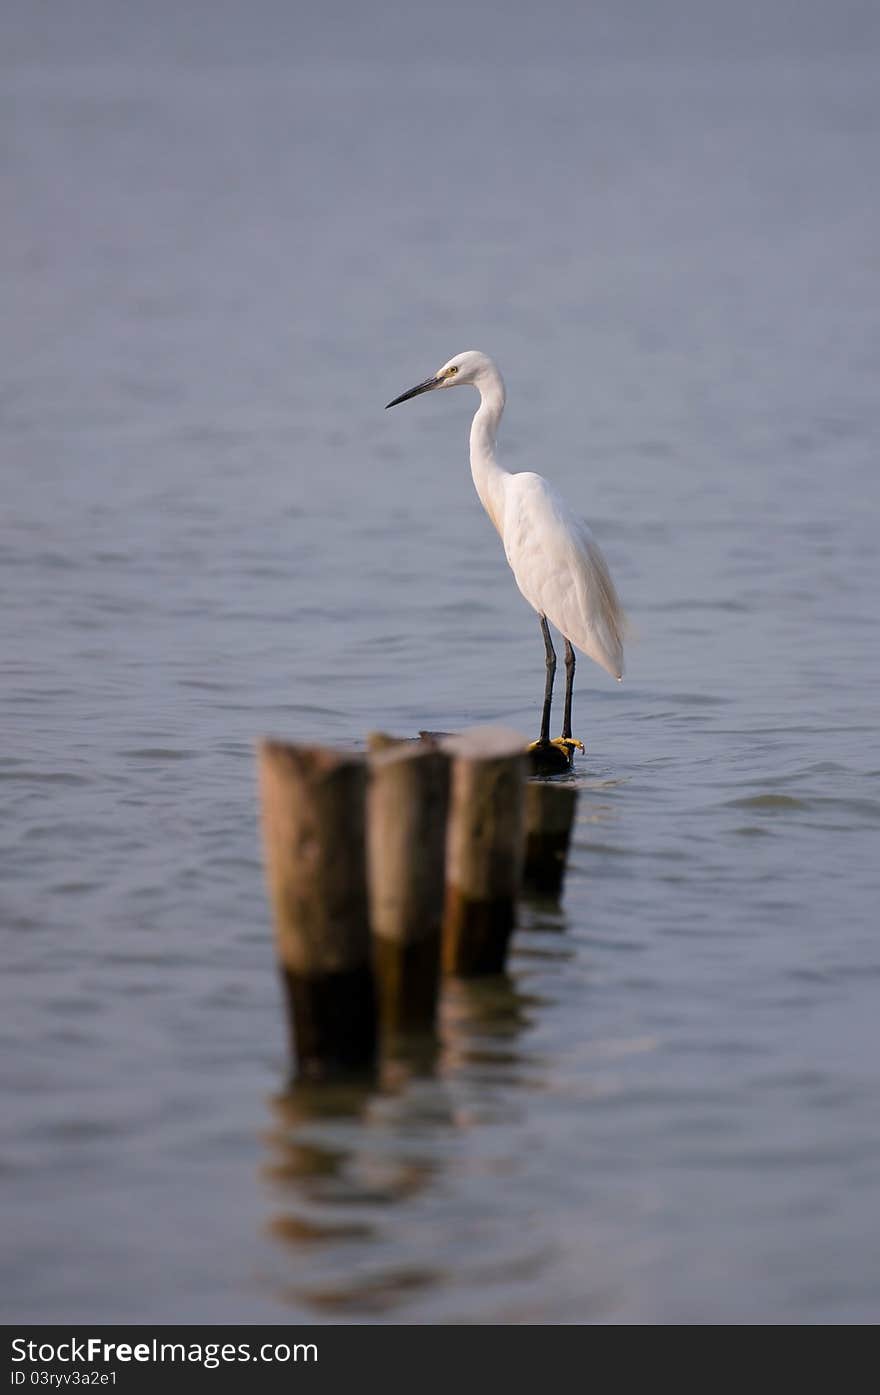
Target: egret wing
[[560, 569]]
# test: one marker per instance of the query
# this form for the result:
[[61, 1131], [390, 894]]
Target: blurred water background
[[230, 234]]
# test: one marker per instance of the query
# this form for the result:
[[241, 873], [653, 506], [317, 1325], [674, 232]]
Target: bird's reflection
[[362, 1173]]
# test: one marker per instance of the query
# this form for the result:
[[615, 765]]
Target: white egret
[[554, 557]]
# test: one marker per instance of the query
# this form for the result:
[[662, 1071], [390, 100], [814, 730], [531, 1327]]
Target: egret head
[[470, 367]]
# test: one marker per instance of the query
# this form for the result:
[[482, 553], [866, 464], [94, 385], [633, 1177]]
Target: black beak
[[415, 392]]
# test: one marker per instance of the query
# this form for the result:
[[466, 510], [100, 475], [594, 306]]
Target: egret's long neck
[[488, 475]]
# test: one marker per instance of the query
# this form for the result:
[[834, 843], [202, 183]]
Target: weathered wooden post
[[484, 852], [407, 801], [313, 827], [547, 759], [550, 811]]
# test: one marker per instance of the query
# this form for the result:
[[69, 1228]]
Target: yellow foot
[[568, 743]]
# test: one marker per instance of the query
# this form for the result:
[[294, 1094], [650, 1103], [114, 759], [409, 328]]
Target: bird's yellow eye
[[451, 372]]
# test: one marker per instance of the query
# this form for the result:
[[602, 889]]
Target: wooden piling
[[407, 802], [313, 803], [547, 759], [484, 853], [550, 810]]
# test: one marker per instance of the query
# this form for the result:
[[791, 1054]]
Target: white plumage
[[560, 570], [553, 555]]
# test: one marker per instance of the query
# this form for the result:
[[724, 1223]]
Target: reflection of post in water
[[327, 1141], [481, 1023], [354, 1166], [306, 1165], [344, 1158], [408, 1057], [336, 1158]]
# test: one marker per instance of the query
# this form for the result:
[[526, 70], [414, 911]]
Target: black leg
[[550, 653], [569, 685]]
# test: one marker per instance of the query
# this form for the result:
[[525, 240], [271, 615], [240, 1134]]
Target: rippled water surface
[[214, 274]]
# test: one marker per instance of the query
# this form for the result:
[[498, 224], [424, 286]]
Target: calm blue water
[[216, 266]]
